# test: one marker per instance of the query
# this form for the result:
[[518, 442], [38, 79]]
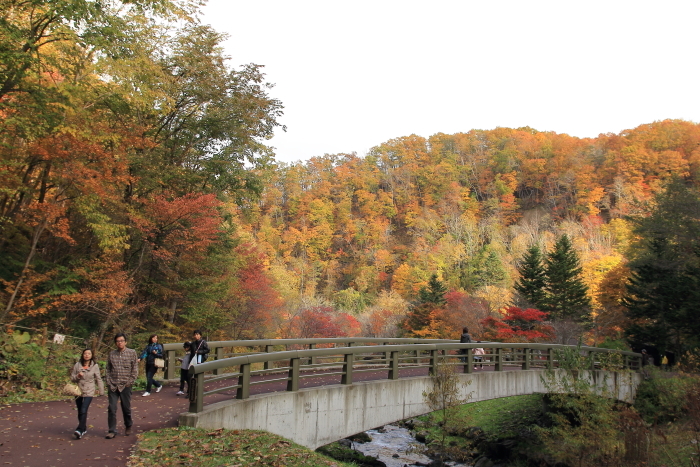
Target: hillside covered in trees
[[137, 193]]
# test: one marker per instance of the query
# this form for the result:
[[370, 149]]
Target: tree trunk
[[35, 240]]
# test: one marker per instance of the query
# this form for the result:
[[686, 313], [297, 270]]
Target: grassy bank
[[215, 448]]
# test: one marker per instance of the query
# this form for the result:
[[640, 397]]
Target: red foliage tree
[[257, 298], [518, 325], [321, 321]]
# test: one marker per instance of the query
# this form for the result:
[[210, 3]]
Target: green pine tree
[[567, 295], [434, 293], [661, 301], [663, 293], [533, 278], [430, 298], [490, 270]]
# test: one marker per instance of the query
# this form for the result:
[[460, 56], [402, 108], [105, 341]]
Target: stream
[[394, 440]]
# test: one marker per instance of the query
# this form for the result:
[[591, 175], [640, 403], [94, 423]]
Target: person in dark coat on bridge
[[465, 339], [199, 348]]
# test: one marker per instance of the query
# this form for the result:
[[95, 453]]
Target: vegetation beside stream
[[576, 428]]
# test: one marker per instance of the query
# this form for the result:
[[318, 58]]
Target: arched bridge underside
[[317, 416]]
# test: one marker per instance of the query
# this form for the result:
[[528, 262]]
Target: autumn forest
[[137, 193]]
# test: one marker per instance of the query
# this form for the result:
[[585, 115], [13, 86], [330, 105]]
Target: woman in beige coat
[[86, 373]]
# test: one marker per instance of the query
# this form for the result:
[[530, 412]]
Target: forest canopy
[[137, 193]]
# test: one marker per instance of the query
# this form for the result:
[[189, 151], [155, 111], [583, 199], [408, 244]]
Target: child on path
[[479, 356], [184, 368]]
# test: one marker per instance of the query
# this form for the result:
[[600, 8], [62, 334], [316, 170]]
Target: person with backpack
[[199, 349]]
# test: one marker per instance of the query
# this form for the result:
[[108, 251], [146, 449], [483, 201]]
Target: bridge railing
[[294, 367], [227, 349]]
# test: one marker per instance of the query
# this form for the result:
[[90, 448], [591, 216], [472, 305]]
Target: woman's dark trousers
[[83, 404], [150, 373]]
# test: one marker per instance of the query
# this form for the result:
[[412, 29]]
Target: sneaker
[[110, 435], [83, 434], [159, 388], [77, 434], [127, 432], [179, 393], [146, 394]]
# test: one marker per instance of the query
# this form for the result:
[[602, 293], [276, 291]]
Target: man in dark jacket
[[199, 349]]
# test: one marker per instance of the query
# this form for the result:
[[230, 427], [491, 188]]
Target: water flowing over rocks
[[396, 447]]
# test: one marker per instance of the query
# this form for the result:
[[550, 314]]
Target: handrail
[[267, 345], [391, 358]]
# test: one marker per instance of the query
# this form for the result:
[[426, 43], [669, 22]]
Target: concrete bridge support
[[314, 417]]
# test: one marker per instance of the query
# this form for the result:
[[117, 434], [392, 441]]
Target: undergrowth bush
[[32, 369], [662, 397]]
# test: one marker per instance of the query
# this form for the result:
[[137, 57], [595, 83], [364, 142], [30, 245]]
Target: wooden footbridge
[[315, 391]]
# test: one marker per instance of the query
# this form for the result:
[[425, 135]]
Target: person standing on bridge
[[86, 373], [122, 371], [185, 368], [479, 356], [199, 349], [465, 339]]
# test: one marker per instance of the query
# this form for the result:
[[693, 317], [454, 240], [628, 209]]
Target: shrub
[[31, 369], [662, 397]]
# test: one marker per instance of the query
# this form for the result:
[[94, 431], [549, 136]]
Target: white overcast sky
[[353, 75]]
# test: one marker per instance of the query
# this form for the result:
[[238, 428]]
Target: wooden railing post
[[526, 359], [243, 392], [469, 361], [394, 366], [293, 382], [313, 358], [219, 356], [268, 349], [550, 358], [387, 354], [170, 364], [498, 357], [196, 392], [347, 369], [432, 368]]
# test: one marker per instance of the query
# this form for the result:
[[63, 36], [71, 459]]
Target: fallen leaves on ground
[[205, 448]]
